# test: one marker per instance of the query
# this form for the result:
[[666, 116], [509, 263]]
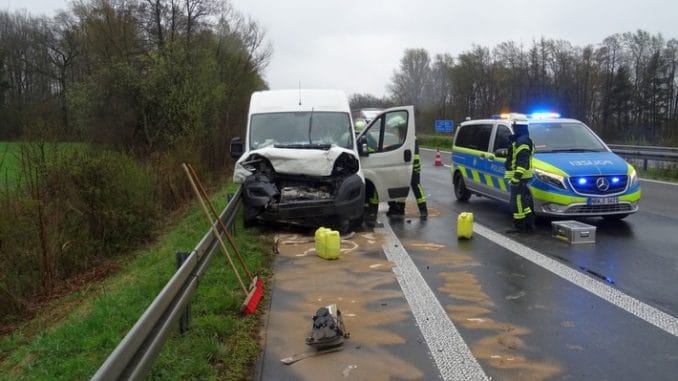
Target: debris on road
[[328, 328], [300, 356]]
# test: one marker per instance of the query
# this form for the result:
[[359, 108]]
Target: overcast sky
[[355, 45]]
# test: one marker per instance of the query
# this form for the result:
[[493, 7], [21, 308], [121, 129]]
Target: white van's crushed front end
[[301, 186], [312, 162]]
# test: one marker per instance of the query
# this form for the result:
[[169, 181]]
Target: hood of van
[[293, 161], [581, 163]]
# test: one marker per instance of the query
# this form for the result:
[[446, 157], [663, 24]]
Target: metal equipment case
[[574, 231]]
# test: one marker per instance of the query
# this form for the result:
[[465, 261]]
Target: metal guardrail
[[645, 153], [134, 355]]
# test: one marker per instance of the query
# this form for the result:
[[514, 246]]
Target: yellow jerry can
[[320, 240], [327, 243], [465, 225]]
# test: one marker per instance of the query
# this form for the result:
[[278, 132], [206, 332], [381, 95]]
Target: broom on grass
[[256, 290], [254, 280]]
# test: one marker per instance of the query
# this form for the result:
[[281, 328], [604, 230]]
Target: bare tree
[[410, 82], [59, 40], [197, 13], [441, 89], [358, 101]]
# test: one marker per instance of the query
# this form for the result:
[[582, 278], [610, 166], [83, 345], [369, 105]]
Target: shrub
[[443, 142], [72, 206]]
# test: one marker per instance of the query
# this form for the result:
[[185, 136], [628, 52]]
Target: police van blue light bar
[[544, 115], [510, 116]]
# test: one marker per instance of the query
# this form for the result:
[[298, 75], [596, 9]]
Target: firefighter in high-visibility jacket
[[519, 173], [398, 207]]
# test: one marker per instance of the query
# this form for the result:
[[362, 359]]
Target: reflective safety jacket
[[519, 159], [417, 159]]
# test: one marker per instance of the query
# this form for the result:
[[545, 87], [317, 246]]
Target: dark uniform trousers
[[520, 204], [398, 207]]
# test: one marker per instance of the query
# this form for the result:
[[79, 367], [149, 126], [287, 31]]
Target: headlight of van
[[633, 177], [557, 181]]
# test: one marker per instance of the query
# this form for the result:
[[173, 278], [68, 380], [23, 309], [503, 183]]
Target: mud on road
[[362, 284]]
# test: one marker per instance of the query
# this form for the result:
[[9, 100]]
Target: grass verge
[[440, 141], [664, 174], [221, 343], [10, 158], [8, 163]]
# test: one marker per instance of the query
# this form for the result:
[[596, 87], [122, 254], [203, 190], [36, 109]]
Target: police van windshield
[[308, 129], [564, 137]]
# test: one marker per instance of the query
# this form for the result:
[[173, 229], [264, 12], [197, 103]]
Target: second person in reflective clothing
[[398, 207], [519, 173]]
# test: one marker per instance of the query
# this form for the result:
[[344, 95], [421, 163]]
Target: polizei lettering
[[590, 162]]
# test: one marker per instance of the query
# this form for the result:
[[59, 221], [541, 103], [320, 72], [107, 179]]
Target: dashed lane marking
[[629, 304], [450, 353], [646, 312]]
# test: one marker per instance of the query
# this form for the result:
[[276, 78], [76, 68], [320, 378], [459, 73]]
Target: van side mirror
[[362, 146], [501, 152], [236, 147]]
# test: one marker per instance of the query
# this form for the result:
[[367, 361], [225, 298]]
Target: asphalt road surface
[[422, 304]]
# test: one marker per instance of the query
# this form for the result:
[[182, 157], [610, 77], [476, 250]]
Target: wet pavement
[[384, 342], [520, 318]]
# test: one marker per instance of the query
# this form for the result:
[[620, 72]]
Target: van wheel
[[356, 224], [460, 190], [347, 226]]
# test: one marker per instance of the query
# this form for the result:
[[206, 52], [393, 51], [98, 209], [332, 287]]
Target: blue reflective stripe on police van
[[503, 184], [498, 182], [465, 172], [483, 177]]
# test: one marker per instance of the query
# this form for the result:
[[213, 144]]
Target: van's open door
[[386, 150]]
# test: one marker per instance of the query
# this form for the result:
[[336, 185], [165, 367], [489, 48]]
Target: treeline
[[625, 87], [108, 98], [135, 74]]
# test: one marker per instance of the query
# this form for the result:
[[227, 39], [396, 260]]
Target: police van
[[575, 173]]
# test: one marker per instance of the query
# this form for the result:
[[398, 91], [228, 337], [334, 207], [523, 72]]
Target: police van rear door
[[386, 150]]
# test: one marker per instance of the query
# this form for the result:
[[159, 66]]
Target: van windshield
[[564, 137], [308, 129]]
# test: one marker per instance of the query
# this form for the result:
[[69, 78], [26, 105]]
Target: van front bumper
[[552, 209], [346, 205]]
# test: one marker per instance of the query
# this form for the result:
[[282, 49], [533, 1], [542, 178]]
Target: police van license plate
[[603, 200]]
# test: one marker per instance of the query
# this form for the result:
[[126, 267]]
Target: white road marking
[[657, 181], [450, 353], [629, 304], [432, 150], [646, 312]]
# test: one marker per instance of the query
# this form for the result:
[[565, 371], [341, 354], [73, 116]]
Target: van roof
[[298, 100]]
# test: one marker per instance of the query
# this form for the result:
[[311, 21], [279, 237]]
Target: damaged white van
[[301, 162]]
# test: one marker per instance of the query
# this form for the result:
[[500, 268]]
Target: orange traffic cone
[[438, 161]]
